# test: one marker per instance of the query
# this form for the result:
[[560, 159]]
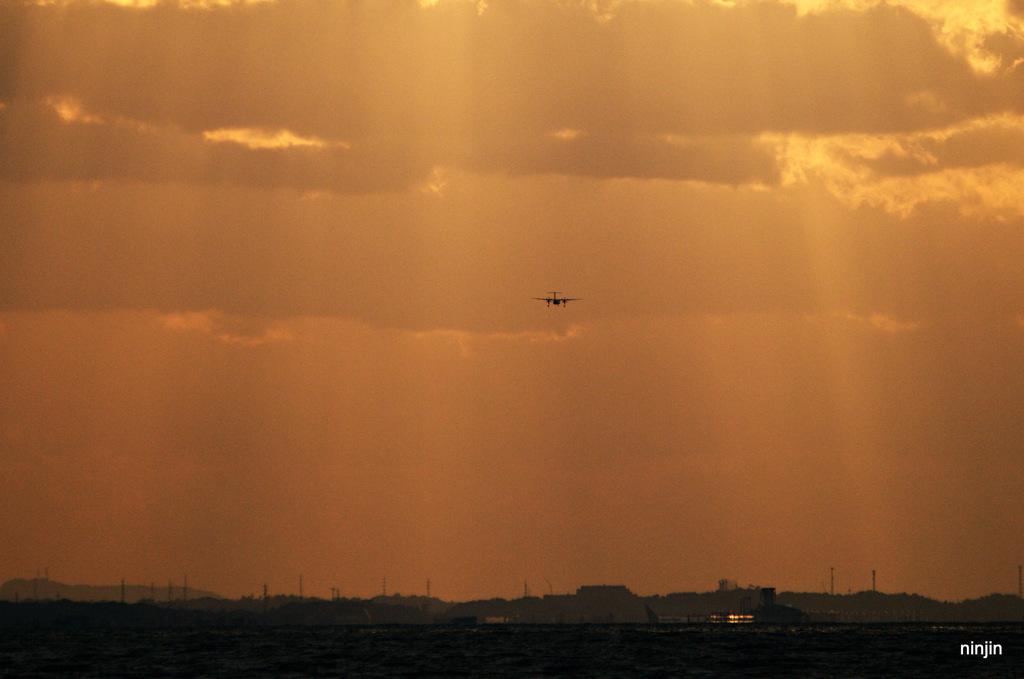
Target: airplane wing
[[555, 299]]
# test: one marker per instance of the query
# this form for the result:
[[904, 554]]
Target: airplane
[[556, 300]]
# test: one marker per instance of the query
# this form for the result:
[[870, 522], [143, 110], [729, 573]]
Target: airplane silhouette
[[556, 300]]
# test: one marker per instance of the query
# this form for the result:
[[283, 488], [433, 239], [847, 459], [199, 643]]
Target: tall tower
[[873, 580], [832, 580]]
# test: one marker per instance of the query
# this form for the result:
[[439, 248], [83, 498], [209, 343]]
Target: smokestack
[[832, 580], [873, 580]]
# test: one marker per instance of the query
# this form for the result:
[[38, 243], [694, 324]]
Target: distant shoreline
[[592, 604]]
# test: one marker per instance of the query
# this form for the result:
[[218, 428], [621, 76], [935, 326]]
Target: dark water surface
[[517, 651]]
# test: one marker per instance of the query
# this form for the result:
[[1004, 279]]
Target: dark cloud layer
[[41, 146], [416, 261], [994, 144], [406, 88]]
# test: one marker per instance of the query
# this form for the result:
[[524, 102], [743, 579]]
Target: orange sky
[[266, 269]]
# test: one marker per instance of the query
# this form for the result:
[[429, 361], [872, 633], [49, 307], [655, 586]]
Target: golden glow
[[70, 110], [148, 4], [847, 166], [568, 134], [440, 178], [481, 5], [255, 138], [963, 27]]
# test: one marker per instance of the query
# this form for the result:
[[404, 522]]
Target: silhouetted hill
[[871, 606], [865, 606], [21, 589], [592, 604]]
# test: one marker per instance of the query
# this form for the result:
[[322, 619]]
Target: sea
[[494, 651]]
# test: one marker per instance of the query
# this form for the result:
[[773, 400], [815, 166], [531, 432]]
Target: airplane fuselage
[[556, 300]]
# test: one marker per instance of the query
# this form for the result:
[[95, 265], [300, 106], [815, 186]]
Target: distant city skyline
[[268, 277]]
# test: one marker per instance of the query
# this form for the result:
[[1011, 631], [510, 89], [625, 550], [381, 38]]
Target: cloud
[[263, 139], [60, 139], [976, 165], [725, 160], [883, 322], [731, 159], [237, 330], [466, 340], [964, 29], [70, 110], [653, 91], [403, 88], [471, 260], [995, 140], [147, 4]]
